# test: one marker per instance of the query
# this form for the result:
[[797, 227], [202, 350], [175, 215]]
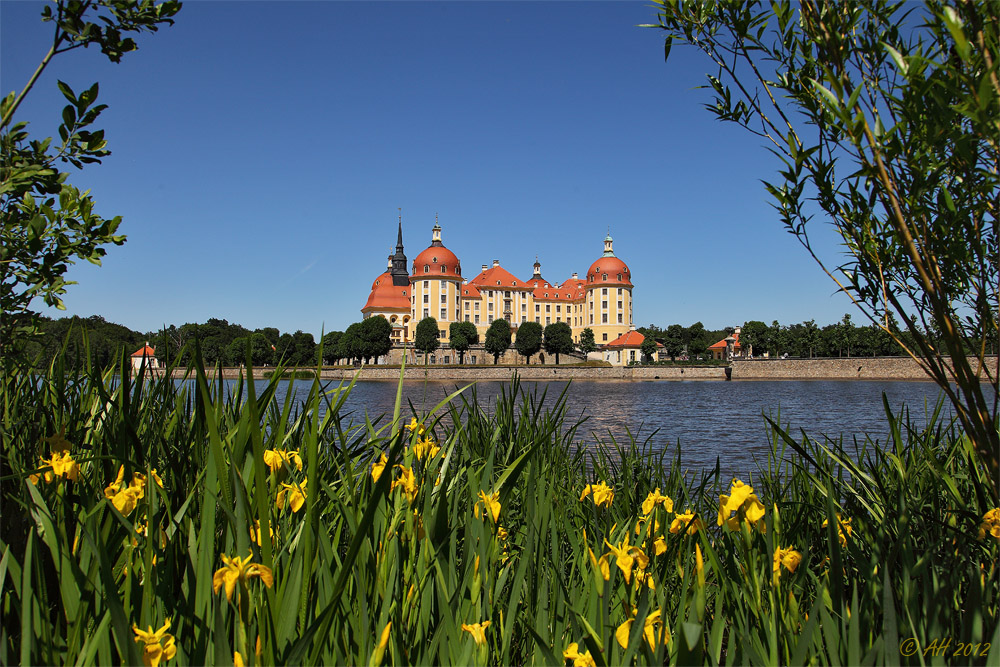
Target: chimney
[[575, 276], [484, 268], [496, 263]]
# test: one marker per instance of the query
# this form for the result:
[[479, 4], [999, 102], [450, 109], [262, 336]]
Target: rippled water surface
[[708, 419]]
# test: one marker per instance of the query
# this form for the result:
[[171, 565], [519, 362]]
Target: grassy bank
[[187, 524]]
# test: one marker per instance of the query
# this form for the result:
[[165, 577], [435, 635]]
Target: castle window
[[434, 259], [604, 290], [548, 308], [444, 313], [427, 312], [548, 320], [619, 318], [444, 269], [466, 317], [558, 308], [489, 306], [427, 283], [427, 269], [427, 298], [376, 282], [604, 276], [538, 308], [604, 318], [619, 276], [605, 337], [498, 282], [489, 319], [477, 319], [458, 269], [546, 295], [466, 305], [538, 320], [507, 294]]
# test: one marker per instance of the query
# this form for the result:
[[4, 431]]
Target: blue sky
[[260, 151]]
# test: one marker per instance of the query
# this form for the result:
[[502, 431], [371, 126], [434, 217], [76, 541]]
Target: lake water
[[708, 419]]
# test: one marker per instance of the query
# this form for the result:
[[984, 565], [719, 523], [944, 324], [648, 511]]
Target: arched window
[[427, 269], [604, 276], [444, 269]]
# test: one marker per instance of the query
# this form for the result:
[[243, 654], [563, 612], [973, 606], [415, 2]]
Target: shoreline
[[850, 368]]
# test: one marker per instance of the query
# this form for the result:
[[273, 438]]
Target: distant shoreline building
[[434, 286]]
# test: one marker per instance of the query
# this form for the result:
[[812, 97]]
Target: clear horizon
[[261, 151]]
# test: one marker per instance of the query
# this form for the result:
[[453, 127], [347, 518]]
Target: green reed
[[477, 520]]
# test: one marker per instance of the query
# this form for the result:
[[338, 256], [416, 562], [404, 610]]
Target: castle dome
[[436, 261], [387, 296], [608, 269]]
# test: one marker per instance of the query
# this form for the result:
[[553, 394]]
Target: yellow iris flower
[[990, 524], [407, 481], [490, 505], [62, 464], [787, 557], [601, 566], [653, 628], [688, 520], [572, 652], [742, 501], [255, 532], [844, 529], [478, 631], [379, 466], [295, 493], [653, 499], [239, 571], [425, 448], [415, 426], [627, 557], [276, 459], [602, 494], [125, 498], [158, 645]]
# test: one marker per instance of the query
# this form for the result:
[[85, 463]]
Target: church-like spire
[[608, 250], [400, 276]]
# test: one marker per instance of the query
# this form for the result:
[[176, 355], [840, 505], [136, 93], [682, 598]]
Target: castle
[[434, 286]]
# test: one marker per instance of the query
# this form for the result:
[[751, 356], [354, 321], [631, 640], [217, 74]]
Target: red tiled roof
[[721, 345], [470, 291], [629, 339], [611, 267], [144, 351], [434, 258], [386, 296], [497, 277]]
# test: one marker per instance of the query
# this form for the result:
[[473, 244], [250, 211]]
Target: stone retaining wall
[[854, 368]]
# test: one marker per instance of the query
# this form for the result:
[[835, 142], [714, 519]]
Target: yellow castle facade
[[435, 285]]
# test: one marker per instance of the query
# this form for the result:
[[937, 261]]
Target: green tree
[[47, 223], [350, 346], [694, 337], [331, 347], [497, 339], [649, 349], [587, 342], [461, 336], [753, 337], [377, 337], [529, 339], [558, 339], [426, 338], [886, 119], [673, 340]]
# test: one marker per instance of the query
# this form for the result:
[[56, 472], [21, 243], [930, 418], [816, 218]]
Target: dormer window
[[498, 282], [604, 276], [619, 276], [444, 269], [434, 259], [427, 269]]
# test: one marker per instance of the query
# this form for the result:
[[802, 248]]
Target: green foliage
[[331, 347], [376, 337], [461, 336], [364, 554], [649, 349], [587, 342], [885, 117], [497, 339], [673, 340], [529, 339], [754, 337], [48, 223], [426, 337], [558, 339]]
